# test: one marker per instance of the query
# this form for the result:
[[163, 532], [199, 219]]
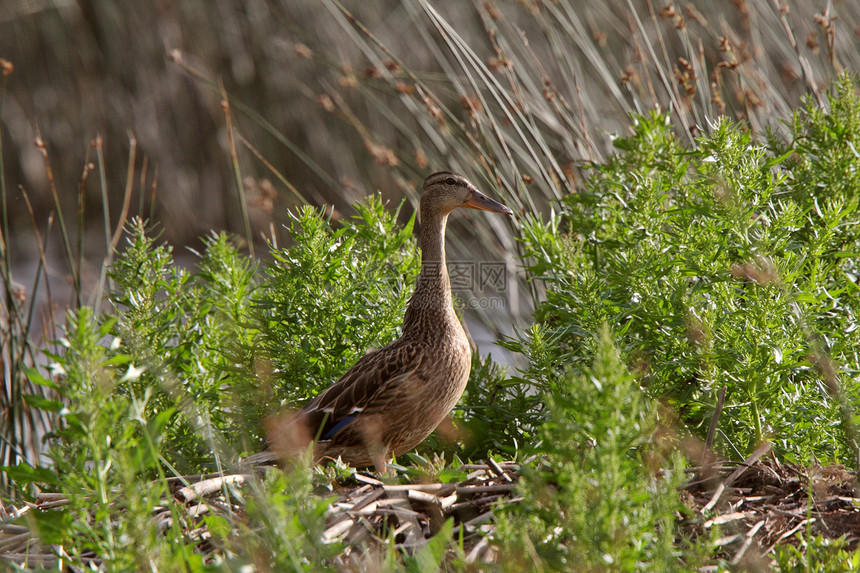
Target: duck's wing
[[365, 390]]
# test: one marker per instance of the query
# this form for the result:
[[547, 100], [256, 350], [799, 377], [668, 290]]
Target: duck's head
[[445, 191]]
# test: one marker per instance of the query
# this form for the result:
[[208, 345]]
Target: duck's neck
[[431, 301]]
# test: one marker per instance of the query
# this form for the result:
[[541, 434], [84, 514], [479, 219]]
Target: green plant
[[182, 331], [159, 385], [109, 454], [712, 273], [595, 501], [104, 451], [334, 294], [816, 554]]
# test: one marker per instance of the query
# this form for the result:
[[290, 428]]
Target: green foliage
[[159, 385], [595, 502], [333, 295], [815, 554], [103, 448], [717, 266], [107, 446], [185, 332], [431, 557], [285, 523]]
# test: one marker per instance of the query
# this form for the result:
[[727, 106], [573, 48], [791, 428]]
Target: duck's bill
[[480, 201]]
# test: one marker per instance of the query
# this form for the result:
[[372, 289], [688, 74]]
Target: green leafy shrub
[[227, 345], [818, 554], [717, 266], [184, 331], [595, 502], [104, 449], [334, 295], [159, 385]]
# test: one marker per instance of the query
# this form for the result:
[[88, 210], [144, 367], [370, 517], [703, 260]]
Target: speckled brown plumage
[[394, 397]]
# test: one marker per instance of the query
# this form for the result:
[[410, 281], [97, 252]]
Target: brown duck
[[394, 397]]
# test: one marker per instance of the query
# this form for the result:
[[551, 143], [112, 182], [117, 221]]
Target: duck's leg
[[380, 462], [371, 433]]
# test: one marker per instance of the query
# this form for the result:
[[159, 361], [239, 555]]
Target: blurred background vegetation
[[332, 102]]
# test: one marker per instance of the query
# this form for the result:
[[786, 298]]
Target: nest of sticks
[[367, 511], [761, 503], [757, 505]]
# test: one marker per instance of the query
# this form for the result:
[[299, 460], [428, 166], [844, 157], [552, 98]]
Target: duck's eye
[[450, 181]]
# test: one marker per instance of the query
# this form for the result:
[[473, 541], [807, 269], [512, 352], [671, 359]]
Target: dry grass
[[363, 97]]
